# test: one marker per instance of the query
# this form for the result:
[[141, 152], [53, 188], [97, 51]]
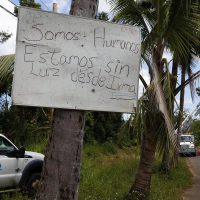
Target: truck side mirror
[[20, 152], [17, 153]]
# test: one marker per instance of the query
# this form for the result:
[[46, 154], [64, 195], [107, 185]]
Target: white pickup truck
[[18, 168], [187, 146]]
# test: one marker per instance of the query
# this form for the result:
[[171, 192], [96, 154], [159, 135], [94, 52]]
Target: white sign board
[[75, 63]]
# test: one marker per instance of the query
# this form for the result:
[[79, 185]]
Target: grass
[[104, 176], [108, 172], [170, 186]]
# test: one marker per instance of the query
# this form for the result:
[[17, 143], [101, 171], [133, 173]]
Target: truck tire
[[32, 179]]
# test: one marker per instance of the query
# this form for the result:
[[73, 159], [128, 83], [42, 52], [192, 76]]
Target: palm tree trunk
[[141, 187], [60, 177], [174, 159], [61, 170], [174, 78], [168, 162], [84, 8], [182, 94]]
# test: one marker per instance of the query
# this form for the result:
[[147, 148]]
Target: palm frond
[[6, 66], [133, 13], [183, 27], [6, 72]]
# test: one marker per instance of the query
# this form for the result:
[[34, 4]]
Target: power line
[[12, 3], [39, 0], [7, 10], [45, 5]]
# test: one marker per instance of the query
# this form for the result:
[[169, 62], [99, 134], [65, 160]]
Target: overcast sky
[[8, 23]]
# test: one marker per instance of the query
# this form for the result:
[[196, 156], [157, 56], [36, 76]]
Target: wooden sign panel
[[75, 63]]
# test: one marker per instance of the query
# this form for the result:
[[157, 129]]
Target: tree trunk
[[182, 94], [174, 159], [174, 78], [61, 170], [168, 162], [84, 8], [141, 187], [60, 177]]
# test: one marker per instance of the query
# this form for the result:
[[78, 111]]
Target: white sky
[[8, 23]]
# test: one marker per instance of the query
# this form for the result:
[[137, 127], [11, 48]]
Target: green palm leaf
[[6, 66], [6, 72]]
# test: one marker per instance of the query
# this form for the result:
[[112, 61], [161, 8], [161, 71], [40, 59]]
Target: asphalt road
[[193, 193]]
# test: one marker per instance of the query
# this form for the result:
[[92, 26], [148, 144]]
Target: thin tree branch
[[143, 81], [193, 77]]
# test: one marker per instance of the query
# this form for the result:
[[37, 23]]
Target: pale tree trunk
[[61, 170]]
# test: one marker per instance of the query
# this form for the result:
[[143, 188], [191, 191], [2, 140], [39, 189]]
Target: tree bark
[[84, 8], [61, 170], [141, 187], [60, 177], [174, 78]]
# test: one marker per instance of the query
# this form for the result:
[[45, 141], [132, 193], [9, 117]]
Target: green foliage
[[6, 76], [167, 23], [25, 125], [103, 16], [195, 129], [103, 126], [27, 3]]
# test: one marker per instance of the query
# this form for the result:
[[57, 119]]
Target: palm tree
[[172, 24]]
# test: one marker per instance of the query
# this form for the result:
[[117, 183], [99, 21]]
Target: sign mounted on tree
[[75, 63]]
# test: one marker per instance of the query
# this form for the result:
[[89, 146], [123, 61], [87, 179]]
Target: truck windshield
[[186, 139]]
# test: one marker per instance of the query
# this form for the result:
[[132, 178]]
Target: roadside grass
[[108, 172], [170, 186]]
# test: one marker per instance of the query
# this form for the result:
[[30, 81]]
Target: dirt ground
[[193, 193]]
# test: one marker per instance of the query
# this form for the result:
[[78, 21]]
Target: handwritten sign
[[75, 63]]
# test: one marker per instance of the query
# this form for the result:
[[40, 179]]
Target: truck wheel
[[31, 189]]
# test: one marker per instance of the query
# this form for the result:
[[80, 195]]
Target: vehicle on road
[[18, 168], [186, 141], [187, 146]]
